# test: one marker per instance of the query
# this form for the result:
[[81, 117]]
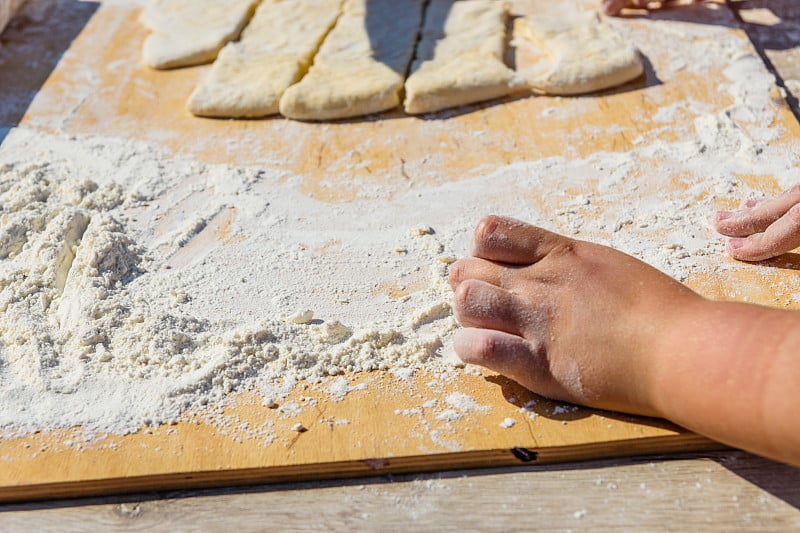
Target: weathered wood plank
[[719, 492]]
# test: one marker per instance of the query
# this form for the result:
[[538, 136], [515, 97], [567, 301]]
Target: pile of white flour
[[135, 284], [123, 304]]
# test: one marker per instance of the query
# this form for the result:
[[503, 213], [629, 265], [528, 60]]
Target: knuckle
[[794, 191], [485, 347], [565, 249], [794, 215], [463, 293]]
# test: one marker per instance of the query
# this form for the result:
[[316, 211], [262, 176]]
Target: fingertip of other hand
[[725, 222], [743, 249]]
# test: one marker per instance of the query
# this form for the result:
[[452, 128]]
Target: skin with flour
[[588, 324]]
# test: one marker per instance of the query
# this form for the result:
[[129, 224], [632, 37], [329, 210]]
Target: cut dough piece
[[361, 65], [250, 76], [191, 32], [582, 54], [460, 56]]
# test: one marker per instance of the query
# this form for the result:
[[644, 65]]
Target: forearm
[[734, 376]]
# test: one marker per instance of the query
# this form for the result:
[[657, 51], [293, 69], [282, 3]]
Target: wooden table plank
[[731, 491]]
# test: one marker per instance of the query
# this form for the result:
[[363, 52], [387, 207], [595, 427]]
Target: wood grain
[[731, 491], [388, 434]]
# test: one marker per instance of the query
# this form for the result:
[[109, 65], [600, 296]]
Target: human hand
[[568, 319], [762, 229]]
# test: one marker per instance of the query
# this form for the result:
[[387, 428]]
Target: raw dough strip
[[361, 65], [191, 32], [585, 54], [250, 76], [459, 58]]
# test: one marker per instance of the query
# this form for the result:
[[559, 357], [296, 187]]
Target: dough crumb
[[449, 415], [419, 231], [508, 423], [270, 403], [300, 317]]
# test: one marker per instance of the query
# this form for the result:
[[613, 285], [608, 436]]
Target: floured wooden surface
[[635, 146], [378, 430]]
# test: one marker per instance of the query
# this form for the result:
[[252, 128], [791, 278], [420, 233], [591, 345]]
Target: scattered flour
[[135, 285], [561, 409], [465, 403], [339, 387], [106, 290], [508, 423], [449, 415], [413, 411], [403, 374]]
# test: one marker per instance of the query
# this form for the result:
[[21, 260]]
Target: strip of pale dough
[[360, 66], [583, 54], [459, 58], [191, 32], [250, 76]]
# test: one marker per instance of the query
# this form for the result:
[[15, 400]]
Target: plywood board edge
[[684, 442]]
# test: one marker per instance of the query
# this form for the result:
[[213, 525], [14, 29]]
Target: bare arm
[[731, 371]]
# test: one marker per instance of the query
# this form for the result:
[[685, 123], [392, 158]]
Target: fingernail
[[722, 215], [736, 243]]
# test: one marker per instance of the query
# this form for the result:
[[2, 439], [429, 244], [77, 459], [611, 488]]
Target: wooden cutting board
[[98, 87]]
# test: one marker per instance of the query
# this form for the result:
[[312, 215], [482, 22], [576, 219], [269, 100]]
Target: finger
[[507, 240], [481, 305], [757, 218], [475, 268], [780, 237], [515, 357], [508, 354]]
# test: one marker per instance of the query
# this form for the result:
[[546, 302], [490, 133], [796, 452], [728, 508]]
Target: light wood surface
[[376, 439], [98, 87]]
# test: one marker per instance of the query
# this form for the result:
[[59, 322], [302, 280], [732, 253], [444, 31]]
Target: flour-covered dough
[[459, 59], [250, 76], [581, 54], [191, 32], [360, 66]]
